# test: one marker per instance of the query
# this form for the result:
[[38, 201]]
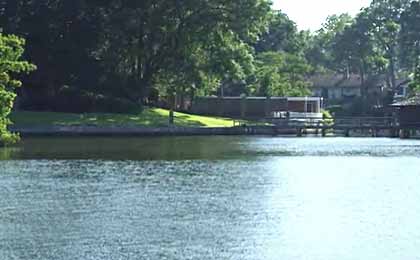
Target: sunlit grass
[[149, 117]]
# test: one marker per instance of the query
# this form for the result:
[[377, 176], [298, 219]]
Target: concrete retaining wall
[[144, 131]]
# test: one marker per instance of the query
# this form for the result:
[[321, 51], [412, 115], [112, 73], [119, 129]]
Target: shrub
[[11, 50], [327, 117]]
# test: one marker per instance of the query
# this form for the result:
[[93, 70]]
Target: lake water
[[210, 198]]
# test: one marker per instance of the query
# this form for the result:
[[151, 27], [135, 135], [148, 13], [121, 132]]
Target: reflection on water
[[8, 153], [208, 148], [211, 198]]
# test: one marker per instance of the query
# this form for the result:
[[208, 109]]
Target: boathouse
[[408, 112], [258, 107]]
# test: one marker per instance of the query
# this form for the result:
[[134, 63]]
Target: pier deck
[[346, 125]]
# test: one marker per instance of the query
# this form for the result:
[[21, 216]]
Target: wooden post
[[394, 132], [318, 124], [268, 107], [405, 133], [347, 132], [243, 105], [374, 132], [275, 131], [221, 106], [299, 132], [172, 101]]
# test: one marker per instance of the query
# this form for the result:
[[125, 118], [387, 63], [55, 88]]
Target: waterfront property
[[263, 116], [346, 88], [258, 107], [408, 112]]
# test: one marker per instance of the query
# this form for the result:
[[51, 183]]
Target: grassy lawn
[[150, 117]]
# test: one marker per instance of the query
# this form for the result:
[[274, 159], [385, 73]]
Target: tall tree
[[319, 50], [410, 36], [281, 35], [155, 37], [385, 19], [122, 47], [410, 43], [354, 48], [62, 37]]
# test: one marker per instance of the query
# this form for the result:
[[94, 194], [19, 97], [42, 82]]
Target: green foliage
[[326, 114], [11, 50], [319, 50], [282, 36], [410, 36], [116, 54], [415, 84], [383, 21], [73, 100], [280, 65], [182, 46], [128, 48], [383, 39], [327, 117], [281, 74]]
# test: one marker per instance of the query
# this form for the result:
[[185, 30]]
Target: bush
[[7, 138], [326, 114], [72, 100], [106, 104], [11, 50], [327, 117]]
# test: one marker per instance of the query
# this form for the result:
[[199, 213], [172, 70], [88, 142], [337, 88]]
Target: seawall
[[144, 131]]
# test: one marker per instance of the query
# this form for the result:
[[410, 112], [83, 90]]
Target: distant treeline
[[114, 55], [383, 39]]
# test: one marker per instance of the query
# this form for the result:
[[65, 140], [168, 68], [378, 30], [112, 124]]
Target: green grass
[[149, 117]]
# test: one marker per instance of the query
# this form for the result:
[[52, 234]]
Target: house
[[408, 112], [336, 87], [258, 107], [402, 91]]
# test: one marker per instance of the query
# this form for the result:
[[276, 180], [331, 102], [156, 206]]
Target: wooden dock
[[347, 126]]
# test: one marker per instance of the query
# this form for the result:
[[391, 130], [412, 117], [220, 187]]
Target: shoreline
[[140, 131], [136, 131]]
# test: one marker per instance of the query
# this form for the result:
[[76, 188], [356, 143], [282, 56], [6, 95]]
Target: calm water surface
[[210, 198]]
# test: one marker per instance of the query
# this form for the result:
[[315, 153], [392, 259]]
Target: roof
[[335, 80], [352, 81], [412, 101], [264, 98], [403, 82]]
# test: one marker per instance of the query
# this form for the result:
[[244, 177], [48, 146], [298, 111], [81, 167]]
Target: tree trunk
[[364, 93], [417, 62], [171, 116], [172, 105], [393, 77], [182, 99], [192, 97]]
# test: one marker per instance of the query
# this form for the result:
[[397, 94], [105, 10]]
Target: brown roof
[[335, 80]]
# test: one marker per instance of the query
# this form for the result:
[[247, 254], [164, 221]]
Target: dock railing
[[365, 122], [317, 123]]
